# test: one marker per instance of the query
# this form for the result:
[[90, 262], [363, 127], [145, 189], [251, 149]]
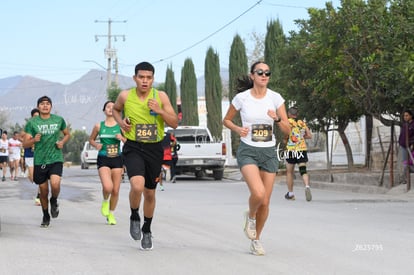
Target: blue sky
[[50, 39]]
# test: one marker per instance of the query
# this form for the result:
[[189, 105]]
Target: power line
[[285, 6], [207, 37]]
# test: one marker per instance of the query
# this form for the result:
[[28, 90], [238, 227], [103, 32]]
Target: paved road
[[198, 230]]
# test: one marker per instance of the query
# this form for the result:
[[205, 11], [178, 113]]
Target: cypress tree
[[171, 87], [237, 67], [213, 93], [275, 41], [189, 101]]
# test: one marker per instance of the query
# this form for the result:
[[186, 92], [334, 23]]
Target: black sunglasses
[[260, 72]]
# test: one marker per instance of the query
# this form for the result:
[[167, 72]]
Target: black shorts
[[104, 161], [167, 162], [143, 159], [4, 159], [295, 157], [42, 173]]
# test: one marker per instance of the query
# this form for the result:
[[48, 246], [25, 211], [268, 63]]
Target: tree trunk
[[369, 122], [348, 149]]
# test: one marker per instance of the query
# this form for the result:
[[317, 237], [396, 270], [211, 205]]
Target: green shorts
[[263, 157]]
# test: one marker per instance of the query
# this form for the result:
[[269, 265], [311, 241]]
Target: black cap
[[44, 98]]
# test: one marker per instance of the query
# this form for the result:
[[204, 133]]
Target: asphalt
[[198, 229]]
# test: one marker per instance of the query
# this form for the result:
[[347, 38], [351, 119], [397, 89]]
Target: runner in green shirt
[[48, 133]]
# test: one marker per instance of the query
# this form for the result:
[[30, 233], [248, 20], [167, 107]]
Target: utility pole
[[110, 53], [116, 70]]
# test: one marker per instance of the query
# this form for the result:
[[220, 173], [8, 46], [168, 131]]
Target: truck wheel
[[218, 174], [200, 174]]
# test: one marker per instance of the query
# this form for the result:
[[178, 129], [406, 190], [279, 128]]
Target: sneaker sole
[[110, 223], [44, 225], [257, 254]]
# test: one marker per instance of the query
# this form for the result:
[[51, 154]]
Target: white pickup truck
[[89, 155], [198, 153]]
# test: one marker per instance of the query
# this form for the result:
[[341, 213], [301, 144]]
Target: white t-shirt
[[4, 147], [253, 111], [14, 145]]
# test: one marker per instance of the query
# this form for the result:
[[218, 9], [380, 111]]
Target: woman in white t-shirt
[[15, 146], [260, 110], [4, 154]]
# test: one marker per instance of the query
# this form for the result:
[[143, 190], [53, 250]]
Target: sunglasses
[[260, 72]]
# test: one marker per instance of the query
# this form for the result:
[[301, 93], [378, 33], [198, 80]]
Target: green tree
[[275, 41], [238, 67], [171, 87], [113, 92], [213, 93], [74, 146], [377, 49], [189, 101], [367, 63], [160, 87]]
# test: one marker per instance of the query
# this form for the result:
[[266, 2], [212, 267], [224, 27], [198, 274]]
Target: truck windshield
[[191, 135]]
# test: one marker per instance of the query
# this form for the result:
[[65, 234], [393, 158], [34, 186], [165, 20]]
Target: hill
[[79, 102]]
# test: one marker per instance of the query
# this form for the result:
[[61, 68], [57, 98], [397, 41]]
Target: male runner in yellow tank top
[[141, 112]]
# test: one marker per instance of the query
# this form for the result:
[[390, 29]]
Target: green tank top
[[139, 114], [107, 137]]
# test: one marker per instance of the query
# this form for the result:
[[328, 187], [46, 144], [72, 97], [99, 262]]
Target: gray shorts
[[263, 157]]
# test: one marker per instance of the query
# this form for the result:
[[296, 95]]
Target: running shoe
[[54, 209], [135, 229], [308, 193], [291, 198], [3, 178], [161, 187], [111, 219], [45, 221], [146, 242], [249, 226], [256, 248], [105, 208], [37, 201]]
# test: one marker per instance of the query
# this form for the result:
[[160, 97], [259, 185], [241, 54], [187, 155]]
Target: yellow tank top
[[139, 113]]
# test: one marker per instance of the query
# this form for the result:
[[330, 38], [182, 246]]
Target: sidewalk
[[345, 182]]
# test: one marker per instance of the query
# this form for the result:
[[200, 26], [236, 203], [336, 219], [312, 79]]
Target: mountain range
[[79, 103]]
